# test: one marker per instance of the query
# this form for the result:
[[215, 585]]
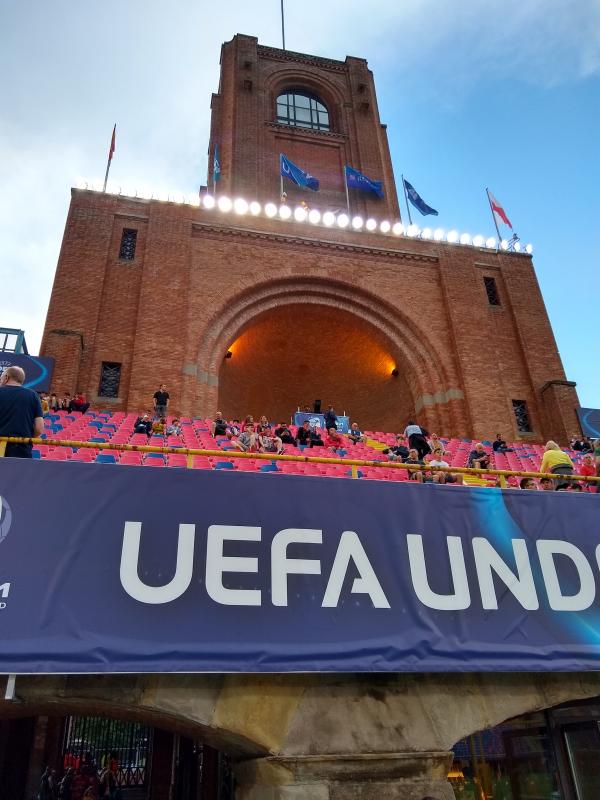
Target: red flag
[[497, 210], [112, 144]]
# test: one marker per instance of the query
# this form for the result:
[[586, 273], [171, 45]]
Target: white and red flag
[[498, 211], [112, 144]]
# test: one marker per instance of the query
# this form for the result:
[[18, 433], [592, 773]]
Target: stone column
[[371, 776]]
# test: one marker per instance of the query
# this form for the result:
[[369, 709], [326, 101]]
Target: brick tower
[[253, 310]]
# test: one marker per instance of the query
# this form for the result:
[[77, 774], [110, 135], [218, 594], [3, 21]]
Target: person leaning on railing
[[557, 462]]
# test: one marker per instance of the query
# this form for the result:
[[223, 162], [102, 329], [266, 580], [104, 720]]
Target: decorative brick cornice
[[340, 137], [274, 54], [221, 232]]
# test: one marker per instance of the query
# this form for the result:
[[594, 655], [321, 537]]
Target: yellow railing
[[227, 455]]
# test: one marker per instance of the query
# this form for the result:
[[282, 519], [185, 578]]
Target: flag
[[356, 180], [417, 201], [289, 170], [497, 210], [216, 165], [112, 144]]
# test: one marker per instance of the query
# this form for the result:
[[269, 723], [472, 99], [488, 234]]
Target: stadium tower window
[[522, 416], [128, 242], [492, 291], [302, 110], [110, 378]]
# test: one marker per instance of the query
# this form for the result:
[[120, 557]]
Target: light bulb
[[270, 209], [328, 218], [224, 204], [343, 220], [357, 223], [240, 206], [371, 224]]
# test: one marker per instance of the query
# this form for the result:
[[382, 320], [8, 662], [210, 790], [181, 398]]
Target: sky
[[475, 93]]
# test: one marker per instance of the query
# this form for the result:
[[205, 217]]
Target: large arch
[[427, 374]]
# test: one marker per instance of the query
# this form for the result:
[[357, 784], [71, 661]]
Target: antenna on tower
[[282, 26]]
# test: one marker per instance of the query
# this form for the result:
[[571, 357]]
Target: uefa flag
[[289, 170], [417, 201], [356, 180], [216, 165]]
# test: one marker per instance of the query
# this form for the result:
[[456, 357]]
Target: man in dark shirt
[[303, 435], [20, 412], [478, 458], [330, 419], [499, 445], [399, 451], [161, 401], [285, 434], [143, 424]]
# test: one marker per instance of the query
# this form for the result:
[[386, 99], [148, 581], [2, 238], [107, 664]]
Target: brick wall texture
[[308, 312]]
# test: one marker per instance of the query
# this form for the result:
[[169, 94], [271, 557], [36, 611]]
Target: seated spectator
[[54, 403], [285, 434], [527, 483], [233, 429], [315, 438], [478, 458], [417, 439], [334, 439], [442, 477], [44, 400], [174, 429], [65, 402], [576, 487], [159, 426], [413, 458], [558, 463], [248, 422], [303, 435], [218, 427], [587, 447], [355, 434], [576, 444], [546, 485], [143, 424], [264, 423], [435, 443], [79, 403], [247, 441], [399, 451], [267, 443], [500, 446], [587, 468]]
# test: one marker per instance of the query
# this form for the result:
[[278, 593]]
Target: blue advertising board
[[318, 421], [128, 569], [38, 369], [589, 419]]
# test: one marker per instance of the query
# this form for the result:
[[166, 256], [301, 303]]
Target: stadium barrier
[[353, 463]]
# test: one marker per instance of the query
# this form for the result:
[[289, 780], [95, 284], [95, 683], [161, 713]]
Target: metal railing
[[353, 463]]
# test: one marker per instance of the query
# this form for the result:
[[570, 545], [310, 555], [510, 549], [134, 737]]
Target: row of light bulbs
[[329, 219]]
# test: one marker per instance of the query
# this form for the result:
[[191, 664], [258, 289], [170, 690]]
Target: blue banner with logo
[[129, 569], [589, 419], [38, 369], [318, 421]]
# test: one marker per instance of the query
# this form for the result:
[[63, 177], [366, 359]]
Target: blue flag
[[356, 180], [216, 165], [289, 170], [417, 201]]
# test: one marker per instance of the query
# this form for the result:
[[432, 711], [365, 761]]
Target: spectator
[[218, 427], [588, 447], [413, 458], [267, 443], [108, 779], [478, 458], [355, 434], [247, 441], [143, 424], [303, 435], [416, 439], [159, 426], [334, 439], [79, 403], [315, 438], [20, 412], [64, 789], [576, 487], [576, 444], [285, 434], [587, 469], [500, 446], [45, 403], [174, 429], [161, 401], [45, 792], [248, 422], [233, 429], [264, 423], [65, 402], [558, 463], [527, 483], [330, 419], [435, 443], [546, 484], [442, 477], [399, 451], [54, 403]]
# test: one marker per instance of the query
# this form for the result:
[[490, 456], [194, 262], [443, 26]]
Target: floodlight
[[412, 230], [529, 249], [371, 224], [385, 226], [439, 234], [328, 218], [300, 214], [224, 204], [504, 244], [357, 223], [426, 233], [465, 238], [208, 201], [343, 220], [314, 216], [398, 228], [490, 243], [240, 206], [478, 241], [517, 247], [285, 212], [270, 209], [254, 208], [452, 237]]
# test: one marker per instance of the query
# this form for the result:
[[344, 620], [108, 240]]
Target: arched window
[[303, 110]]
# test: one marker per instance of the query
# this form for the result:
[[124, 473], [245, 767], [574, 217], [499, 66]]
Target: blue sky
[[498, 93]]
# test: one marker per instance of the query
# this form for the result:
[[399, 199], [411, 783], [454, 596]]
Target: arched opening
[[552, 754], [302, 109], [291, 355]]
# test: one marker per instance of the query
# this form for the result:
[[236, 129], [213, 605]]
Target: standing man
[[330, 419], [161, 401], [20, 412]]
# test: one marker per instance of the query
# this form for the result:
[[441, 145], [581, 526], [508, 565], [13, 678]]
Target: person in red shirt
[[79, 403], [334, 439], [587, 469]]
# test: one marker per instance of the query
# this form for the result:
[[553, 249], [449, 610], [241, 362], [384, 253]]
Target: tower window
[[128, 242], [522, 416], [110, 378], [492, 291], [302, 110]]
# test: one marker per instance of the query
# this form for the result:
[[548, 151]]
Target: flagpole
[[406, 201], [487, 191], [347, 195], [110, 153], [282, 26], [280, 179]]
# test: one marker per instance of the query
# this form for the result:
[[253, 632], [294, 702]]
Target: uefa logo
[[5, 518]]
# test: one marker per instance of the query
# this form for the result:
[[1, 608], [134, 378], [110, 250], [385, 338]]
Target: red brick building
[[383, 325]]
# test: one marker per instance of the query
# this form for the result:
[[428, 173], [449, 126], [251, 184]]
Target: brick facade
[[309, 311]]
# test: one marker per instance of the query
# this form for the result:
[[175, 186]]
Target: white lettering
[[461, 597], [130, 578], [547, 549], [4, 590], [217, 564], [282, 566], [523, 586], [351, 548]]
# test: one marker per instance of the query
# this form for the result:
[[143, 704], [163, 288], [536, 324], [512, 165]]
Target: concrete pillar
[[371, 776]]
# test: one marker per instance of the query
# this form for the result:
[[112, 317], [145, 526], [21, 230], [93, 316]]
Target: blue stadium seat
[[224, 465], [105, 458]]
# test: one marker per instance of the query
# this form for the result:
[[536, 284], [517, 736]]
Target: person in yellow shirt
[[557, 462]]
